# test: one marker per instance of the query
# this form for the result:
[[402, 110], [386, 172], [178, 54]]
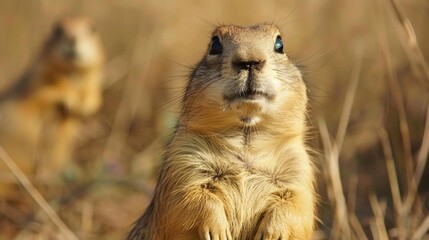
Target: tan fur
[[237, 168], [41, 115]]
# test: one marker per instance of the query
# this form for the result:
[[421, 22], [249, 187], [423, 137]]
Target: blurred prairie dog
[[237, 166], [43, 110]]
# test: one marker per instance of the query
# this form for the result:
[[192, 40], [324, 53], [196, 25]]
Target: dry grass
[[364, 62], [38, 198]]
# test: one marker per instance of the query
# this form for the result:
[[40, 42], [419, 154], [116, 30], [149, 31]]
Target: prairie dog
[[43, 110], [237, 166]]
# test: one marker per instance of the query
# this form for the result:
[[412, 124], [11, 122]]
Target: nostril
[[247, 65]]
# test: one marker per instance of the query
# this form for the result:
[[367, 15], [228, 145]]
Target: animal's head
[[246, 77], [74, 43]]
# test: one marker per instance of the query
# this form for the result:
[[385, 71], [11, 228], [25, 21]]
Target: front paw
[[215, 226], [273, 227]]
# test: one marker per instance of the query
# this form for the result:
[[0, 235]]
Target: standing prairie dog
[[43, 111], [237, 166]]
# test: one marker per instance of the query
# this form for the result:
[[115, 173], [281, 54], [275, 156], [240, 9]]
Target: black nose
[[248, 65]]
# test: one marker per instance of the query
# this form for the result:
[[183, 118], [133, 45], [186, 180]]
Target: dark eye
[[58, 31], [215, 46], [278, 45]]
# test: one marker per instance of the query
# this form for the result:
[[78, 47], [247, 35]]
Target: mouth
[[249, 95]]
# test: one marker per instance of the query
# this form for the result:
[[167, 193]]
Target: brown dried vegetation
[[375, 183]]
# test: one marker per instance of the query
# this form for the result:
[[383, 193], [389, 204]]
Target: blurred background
[[151, 46]]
